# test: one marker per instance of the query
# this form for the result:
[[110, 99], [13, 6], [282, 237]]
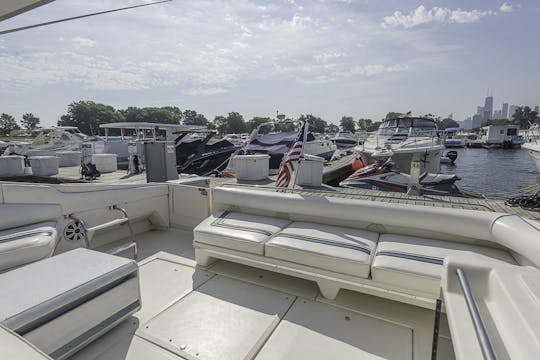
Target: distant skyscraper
[[497, 114], [536, 108], [504, 113], [451, 116], [511, 111], [488, 108], [467, 124], [479, 110], [477, 121]]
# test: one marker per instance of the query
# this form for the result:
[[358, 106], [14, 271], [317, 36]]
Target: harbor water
[[493, 172]]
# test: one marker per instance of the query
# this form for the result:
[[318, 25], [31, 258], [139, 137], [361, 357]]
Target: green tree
[[8, 124], [446, 123], [332, 128], [496, 122], [164, 115], [364, 124], [256, 121], [192, 118], [347, 123], [524, 116], [220, 123], [235, 123], [374, 126], [88, 115], [316, 124], [29, 121], [392, 115]]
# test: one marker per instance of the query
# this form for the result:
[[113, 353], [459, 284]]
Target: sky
[[329, 58]]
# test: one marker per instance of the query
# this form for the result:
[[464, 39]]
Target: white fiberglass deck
[[230, 311]]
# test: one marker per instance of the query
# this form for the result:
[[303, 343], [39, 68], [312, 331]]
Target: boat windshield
[[408, 127]]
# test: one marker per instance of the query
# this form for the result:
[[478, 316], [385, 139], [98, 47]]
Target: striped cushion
[[237, 231], [338, 249], [416, 264]]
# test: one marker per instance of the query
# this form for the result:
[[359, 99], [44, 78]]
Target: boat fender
[[357, 164]]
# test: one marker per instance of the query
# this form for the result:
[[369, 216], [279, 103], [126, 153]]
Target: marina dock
[[71, 174]]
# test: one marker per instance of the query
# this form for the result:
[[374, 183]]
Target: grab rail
[[485, 344], [115, 222]]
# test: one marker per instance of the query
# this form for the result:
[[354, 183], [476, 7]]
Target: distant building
[[479, 110], [451, 116], [511, 111], [497, 114], [536, 108], [467, 124], [477, 121], [488, 108], [504, 112]]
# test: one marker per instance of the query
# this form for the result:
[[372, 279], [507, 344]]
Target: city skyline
[[328, 58]]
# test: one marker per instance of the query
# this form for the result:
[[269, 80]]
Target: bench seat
[[62, 303], [339, 249], [416, 264], [238, 231]]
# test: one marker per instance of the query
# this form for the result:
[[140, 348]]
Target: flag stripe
[[290, 160]]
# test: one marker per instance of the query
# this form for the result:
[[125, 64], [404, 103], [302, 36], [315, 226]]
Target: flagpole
[[305, 127]]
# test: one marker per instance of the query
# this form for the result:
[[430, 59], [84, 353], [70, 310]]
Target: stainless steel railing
[[485, 344]]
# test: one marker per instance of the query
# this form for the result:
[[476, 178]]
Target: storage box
[[251, 167]]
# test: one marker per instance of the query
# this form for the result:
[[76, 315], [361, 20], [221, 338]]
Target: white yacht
[[345, 140], [454, 138], [402, 139], [180, 270], [49, 141], [532, 143]]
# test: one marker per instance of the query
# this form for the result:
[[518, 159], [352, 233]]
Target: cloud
[[81, 42], [421, 15], [506, 7]]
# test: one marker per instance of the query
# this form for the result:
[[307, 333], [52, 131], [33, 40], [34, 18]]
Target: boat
[[182, 270], [345, 140], [452, 138], [277, 144], [51, 140], [384, 177], [532, 143], [402, 139], [197, 153], [501, 136], [235, 139]]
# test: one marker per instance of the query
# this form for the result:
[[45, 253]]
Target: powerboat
[[49, 141], [385, 178], [183, 270], [532, 145], [453, 139], [403, 139], [449, 158], [277, 144], [235, 139], [200, 155], [345, 140]]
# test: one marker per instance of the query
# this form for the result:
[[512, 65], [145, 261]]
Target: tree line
[[8, 123], [88, 115]]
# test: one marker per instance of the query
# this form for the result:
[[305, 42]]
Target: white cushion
[[25, 244], [339, 249], [237, 231], [416, 264]]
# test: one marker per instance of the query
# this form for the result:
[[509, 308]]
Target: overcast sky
[[330, 58]]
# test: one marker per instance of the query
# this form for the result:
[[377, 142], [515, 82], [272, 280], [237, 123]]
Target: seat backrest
[[432, 222]]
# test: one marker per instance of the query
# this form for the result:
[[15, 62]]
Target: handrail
[[485, 344]]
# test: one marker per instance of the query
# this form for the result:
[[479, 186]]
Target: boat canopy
[[11, 8]]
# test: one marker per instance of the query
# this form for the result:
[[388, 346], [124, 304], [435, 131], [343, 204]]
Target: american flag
[[290, 161]]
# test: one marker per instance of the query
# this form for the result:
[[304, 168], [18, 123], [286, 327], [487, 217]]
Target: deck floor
[[231, 311]]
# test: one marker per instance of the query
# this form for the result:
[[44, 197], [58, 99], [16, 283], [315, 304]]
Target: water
[[493, 171]]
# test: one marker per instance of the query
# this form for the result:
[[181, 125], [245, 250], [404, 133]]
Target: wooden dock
[[70, 174]]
